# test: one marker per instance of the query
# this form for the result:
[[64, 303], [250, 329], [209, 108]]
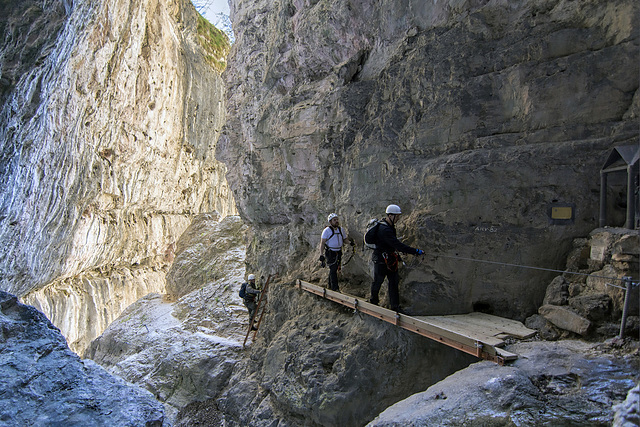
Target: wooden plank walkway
[[479, 334]]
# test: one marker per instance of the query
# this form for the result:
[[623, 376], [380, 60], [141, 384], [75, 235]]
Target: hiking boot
[[374, 301], [253, 328]]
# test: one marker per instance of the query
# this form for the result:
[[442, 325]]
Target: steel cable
[[506, 264]]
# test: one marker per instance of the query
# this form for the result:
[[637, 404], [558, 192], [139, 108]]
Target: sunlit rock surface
[[209, 250], [475, 117], [109, 118], [43, 383], [83, 306], [185, 351]]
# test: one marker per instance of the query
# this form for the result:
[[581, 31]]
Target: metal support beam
[[631, 204]]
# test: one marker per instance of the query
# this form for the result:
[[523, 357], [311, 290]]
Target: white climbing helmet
[[331, 216], [251, 277], [394, 209]]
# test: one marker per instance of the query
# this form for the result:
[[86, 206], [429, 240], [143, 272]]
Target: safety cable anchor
[[355, 306]]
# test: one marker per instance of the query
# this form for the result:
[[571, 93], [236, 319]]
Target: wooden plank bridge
[[478, 334]]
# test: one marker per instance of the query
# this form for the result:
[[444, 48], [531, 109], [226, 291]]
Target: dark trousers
[[334, 259], [251, 306], [380, 271]]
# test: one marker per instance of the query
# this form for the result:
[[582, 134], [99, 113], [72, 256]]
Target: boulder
[[593, 307], [559, 383], [545, 329], [627, 413], [557, 292], [578, 258], [565, 318]]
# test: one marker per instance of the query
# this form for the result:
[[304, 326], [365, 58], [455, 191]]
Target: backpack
[[243, 290], [371, 235]]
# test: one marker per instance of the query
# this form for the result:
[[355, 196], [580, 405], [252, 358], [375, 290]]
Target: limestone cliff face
[[185, 350], [109, 118], [474, 117]]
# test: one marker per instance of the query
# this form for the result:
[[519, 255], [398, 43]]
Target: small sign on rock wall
[[561, 213]]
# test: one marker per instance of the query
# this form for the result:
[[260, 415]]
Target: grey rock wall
[[44, 383], [589, 298], [474, 117], [564, 383], [315, 362], [109, 119], [210, 250]]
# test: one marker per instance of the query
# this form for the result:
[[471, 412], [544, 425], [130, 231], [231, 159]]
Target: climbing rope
[[353, 253]]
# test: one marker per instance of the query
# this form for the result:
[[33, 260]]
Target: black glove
[[353, 242], [322, 261]]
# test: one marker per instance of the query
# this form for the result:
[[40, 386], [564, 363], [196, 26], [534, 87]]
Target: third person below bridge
[[386, 258]]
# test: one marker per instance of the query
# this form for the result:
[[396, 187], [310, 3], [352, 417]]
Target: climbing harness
[[333, 233], [335, 259], [391, 260]]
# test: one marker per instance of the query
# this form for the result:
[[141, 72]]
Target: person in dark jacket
[[251, 293], [386, 258]]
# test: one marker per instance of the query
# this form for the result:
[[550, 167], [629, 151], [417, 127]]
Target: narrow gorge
[[107, 153], [148, 165]]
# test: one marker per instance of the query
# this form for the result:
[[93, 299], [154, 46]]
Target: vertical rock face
[[475, 117], [109, 118], [316, 363], [185, 351]]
